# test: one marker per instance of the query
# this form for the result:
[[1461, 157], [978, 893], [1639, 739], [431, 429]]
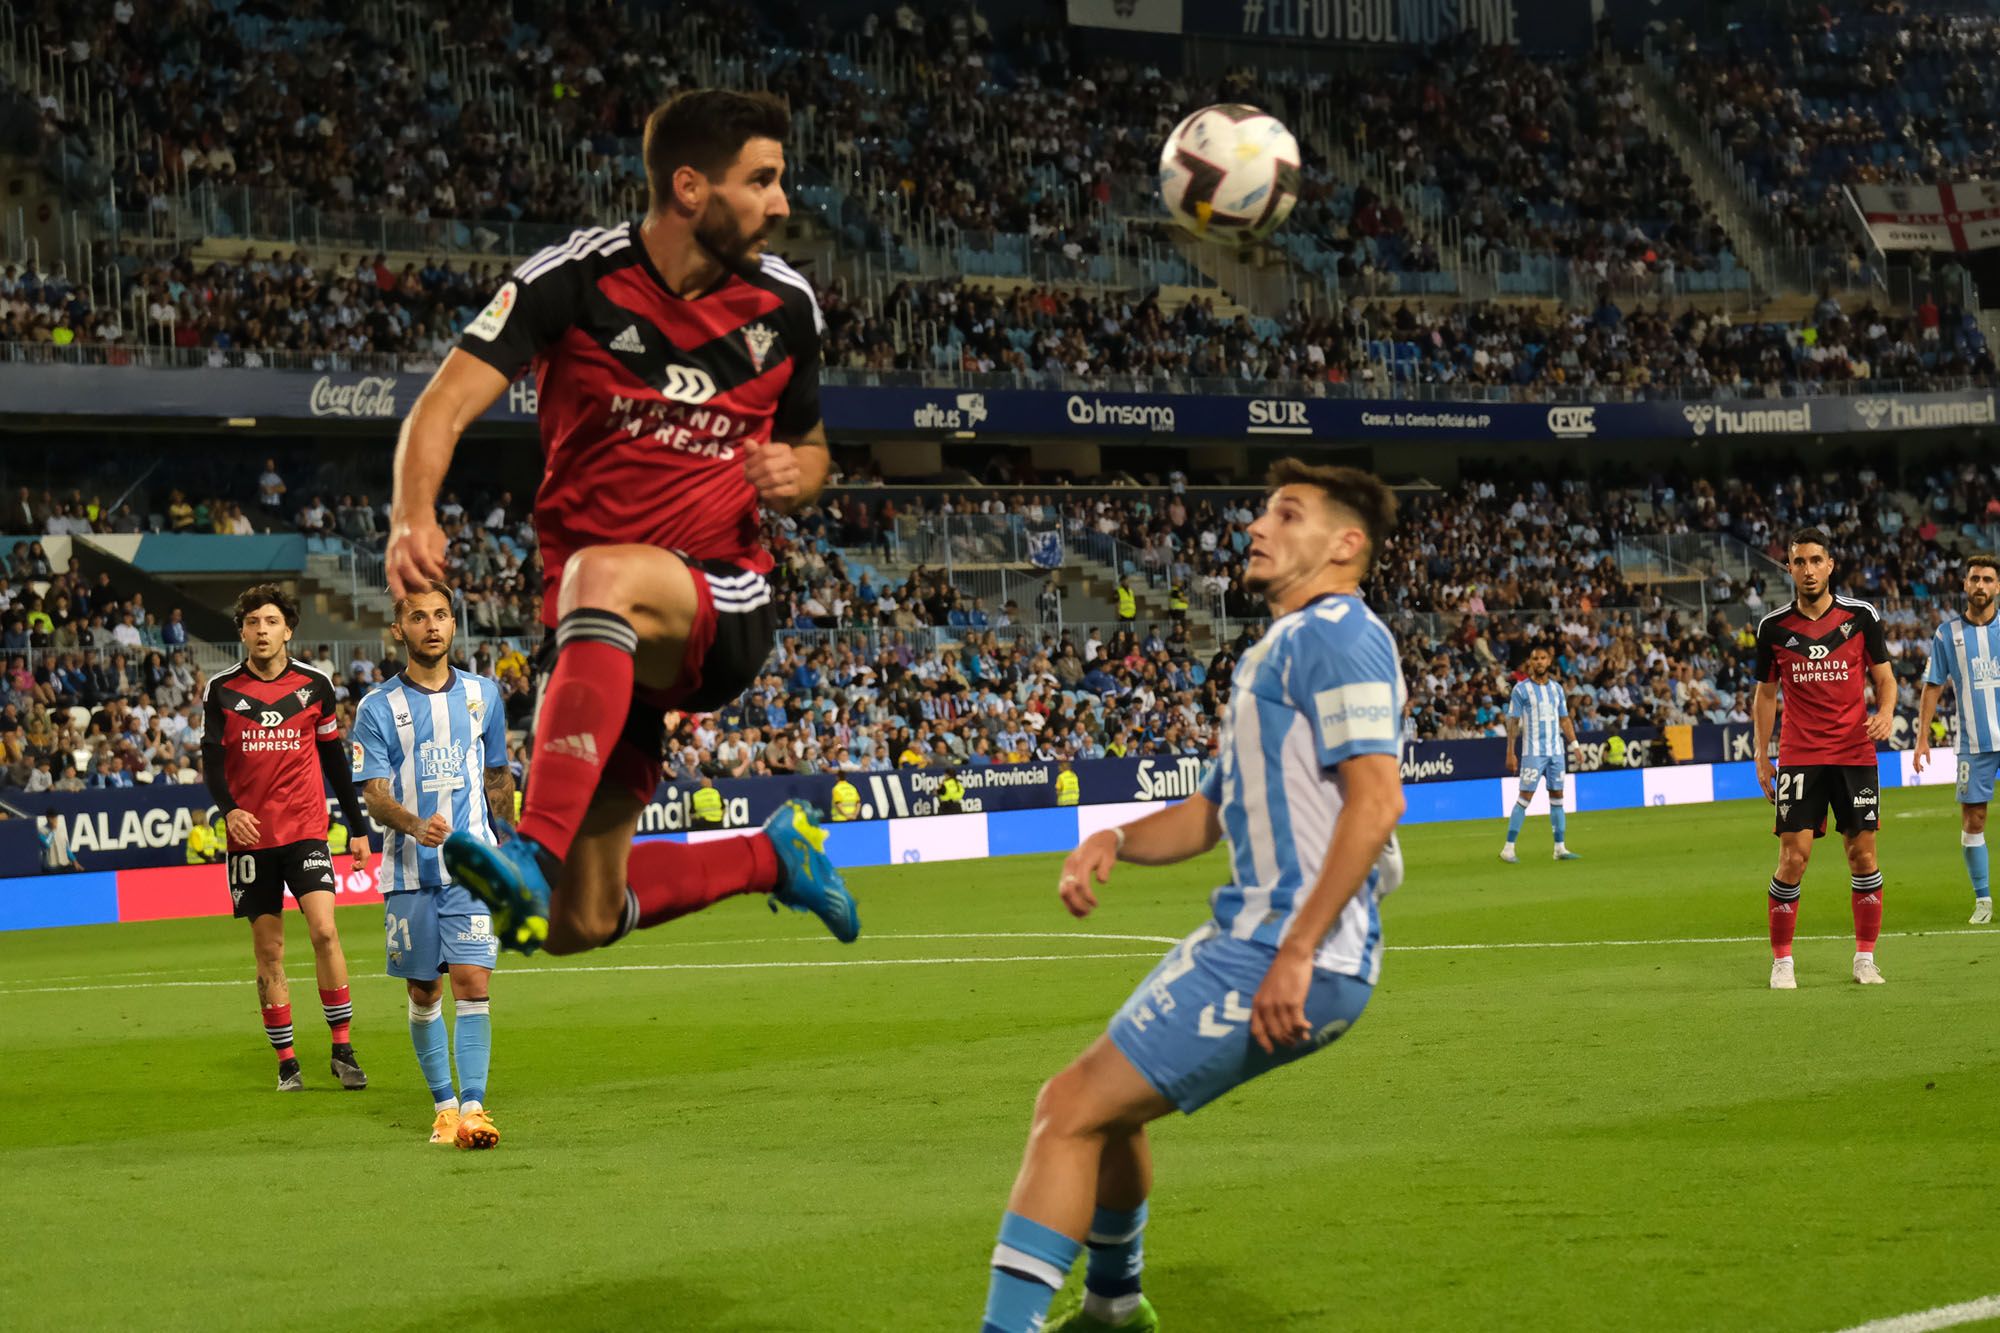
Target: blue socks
[[427, 1035], [1117, 1254], [1557, 815], [1976, 864], [1030, 1264], [474, 1039], [1514, 824]]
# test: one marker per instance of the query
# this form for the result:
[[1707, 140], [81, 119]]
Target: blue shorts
[[1538, 767], [1187, 1026], [1975, 777], [429, 929]]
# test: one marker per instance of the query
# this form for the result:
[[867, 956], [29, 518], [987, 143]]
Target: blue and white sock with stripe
[[473, 1038], [1117, 1244], [1558, 815], [1030, 1265], [1976, 865], [1514, 823], [427, 1035]]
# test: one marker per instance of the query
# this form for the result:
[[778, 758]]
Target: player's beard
[[719, 233], [1977, 603], [427, 661]]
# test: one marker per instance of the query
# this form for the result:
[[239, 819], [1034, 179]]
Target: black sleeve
[[798, 405], [524, 317], [1767, 655], [1873, 639], [213, 775], [340, 776]]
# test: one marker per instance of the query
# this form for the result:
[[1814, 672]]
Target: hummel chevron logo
[[581, 746], [1232, 1009], [629, 341]]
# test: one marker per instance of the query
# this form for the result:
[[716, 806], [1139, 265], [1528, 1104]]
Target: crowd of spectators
[[1856, 94], [879, 671]]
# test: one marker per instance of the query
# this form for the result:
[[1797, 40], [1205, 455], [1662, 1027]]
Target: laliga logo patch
[[1699, 417], [494, 317]]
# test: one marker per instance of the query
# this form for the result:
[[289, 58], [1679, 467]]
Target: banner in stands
[[101, 896], [1537, 25], [1958, 215], [1049, 413]]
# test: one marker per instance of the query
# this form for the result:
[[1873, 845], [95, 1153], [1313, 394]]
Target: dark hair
[[1349, 487], [267, 594], [706, 128], [1813, 536], [437, 585], [1983, 559]]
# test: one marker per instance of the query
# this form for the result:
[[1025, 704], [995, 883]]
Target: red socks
[[1867, 910], [671, 879], [582, 714], [1783, 909], [278, 1030], [339, 1011]]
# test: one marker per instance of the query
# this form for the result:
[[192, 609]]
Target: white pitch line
[[624, 967], [1944, 1316]]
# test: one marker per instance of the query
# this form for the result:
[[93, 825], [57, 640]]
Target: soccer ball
[[1230, 173]]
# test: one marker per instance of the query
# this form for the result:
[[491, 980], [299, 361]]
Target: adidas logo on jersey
[[1792, 642], [242, 705], [629, 341], [580, 746]]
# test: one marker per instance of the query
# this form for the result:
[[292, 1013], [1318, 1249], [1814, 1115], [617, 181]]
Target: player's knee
[[1975, 819], [325, 938], [425, 995], [1062, 1108]]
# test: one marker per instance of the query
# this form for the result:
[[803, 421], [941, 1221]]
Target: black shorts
[[258, 879], [735, 627], [1807, 791]]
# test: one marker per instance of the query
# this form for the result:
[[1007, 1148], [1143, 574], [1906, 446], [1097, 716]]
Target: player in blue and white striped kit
[[1538, 720], [1307, 789], [430, 753], [1965, 652]]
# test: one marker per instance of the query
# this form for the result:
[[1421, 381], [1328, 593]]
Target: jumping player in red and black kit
[[677, 368], [1823, 650], [269, 732]]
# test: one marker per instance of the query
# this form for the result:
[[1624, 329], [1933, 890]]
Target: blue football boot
[[511, 879], [807, 880]]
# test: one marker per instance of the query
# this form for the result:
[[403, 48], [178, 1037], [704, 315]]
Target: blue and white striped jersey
[[1322, 686], [1541, 709], [1968, 656], [434, 747]]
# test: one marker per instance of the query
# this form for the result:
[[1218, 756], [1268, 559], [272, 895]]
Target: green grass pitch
[[734, 1123]]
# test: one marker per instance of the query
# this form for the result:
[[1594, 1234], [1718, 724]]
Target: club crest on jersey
[[303, 693], [1847, 629], [475, 705], [759, 338]]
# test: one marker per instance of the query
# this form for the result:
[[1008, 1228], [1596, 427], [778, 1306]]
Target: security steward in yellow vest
[[846, 801], [1177, 602], [203, 846], [707, 805], [1128, 604], [1068, 791], [951, 795]]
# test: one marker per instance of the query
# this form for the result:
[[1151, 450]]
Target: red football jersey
[[269, 731], [1821, 669], [648, 400]]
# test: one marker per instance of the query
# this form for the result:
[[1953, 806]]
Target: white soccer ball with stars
[[1230, 173]]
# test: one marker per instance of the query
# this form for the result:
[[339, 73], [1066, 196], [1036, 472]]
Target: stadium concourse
[[875, 671]]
